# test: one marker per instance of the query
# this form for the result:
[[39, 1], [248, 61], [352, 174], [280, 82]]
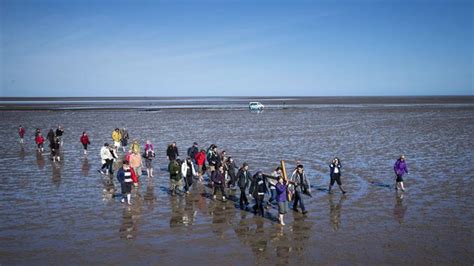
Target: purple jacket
[[400, 167], [281, 192]]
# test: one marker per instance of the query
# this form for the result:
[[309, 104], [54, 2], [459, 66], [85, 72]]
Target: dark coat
[[243, 178], [172, 152]]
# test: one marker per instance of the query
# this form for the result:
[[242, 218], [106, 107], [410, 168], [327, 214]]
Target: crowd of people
[[222, 171]]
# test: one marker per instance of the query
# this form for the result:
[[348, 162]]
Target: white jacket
[[184, 169], [105, 154]]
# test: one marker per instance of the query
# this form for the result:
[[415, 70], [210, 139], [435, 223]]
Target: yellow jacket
[[116, 136]]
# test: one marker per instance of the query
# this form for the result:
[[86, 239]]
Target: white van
[[256, 106]]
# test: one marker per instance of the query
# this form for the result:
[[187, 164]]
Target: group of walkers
[[223, 172], [54, 138]]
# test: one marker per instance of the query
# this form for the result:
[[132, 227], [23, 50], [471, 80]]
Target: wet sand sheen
[[60, 213]]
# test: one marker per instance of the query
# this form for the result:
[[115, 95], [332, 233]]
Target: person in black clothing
[[230, 167], [243, 180], [335, 173], [218, 177], [212, 158], [55, 149], [192, 151], [59, 134], [51, 136], [172, 152], [258, 189]]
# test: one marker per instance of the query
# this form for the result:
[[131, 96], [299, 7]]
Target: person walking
[[39, 142], [125, 176], [400, 169], [229, 167], [335, 174], [21, 133], [243, 180], [175, 177], [117, 137], [135, 147], [188, 172], [172, 152], [218, 178], [281, 198], [106, 159], [149, 156], [258, 190], [124, 139], [85, 141], [55, 149], [136, 164], [299, 184], [51, 136], [212, 158], [192, 151], [59, 134], [200, 161]]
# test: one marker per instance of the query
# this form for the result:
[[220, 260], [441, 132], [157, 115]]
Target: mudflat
[[67, 213]]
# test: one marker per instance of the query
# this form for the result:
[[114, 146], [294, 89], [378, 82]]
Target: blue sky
[[235, 48]]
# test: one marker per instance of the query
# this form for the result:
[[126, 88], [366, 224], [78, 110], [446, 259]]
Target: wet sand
[[65, 213]]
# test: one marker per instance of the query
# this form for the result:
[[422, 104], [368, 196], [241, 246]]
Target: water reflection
[[258, 240], [128, 229], [302, 230], [399, 210], [40, 160], [22, 154], [85, 167], [283, 247], [150, 196], [335, 212], [56, 173], [109, 188]]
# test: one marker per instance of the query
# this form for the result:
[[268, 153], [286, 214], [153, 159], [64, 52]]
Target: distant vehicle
[[256, 106]]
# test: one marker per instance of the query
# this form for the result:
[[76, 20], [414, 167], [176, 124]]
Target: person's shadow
[[22, 154], [128, 228], [40, 160]]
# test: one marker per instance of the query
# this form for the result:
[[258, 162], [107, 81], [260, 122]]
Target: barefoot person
[[59, 134], [39, 142], [85, 141], [125, 177], [55, 149], [400, 169], [106, 159], [200, 161], [124, 139], [281, 198], [335, 173], [21, 133]]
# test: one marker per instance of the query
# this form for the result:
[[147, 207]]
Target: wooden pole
[[283, 170]]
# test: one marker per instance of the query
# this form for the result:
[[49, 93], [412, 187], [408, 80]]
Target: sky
[[117, 48]]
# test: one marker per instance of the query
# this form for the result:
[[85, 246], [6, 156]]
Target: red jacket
[[134, 176], [85, 139], [21, 132], [39, 139], [200, 158]]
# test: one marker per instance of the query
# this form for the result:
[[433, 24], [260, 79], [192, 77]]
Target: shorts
[[126, 187], [117, 144], [282, 207], [399, 178], [200, 169], [148, 164], [138, 171], [336, 177]]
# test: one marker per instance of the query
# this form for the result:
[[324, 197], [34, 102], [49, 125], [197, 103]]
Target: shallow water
[[66, 213]]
